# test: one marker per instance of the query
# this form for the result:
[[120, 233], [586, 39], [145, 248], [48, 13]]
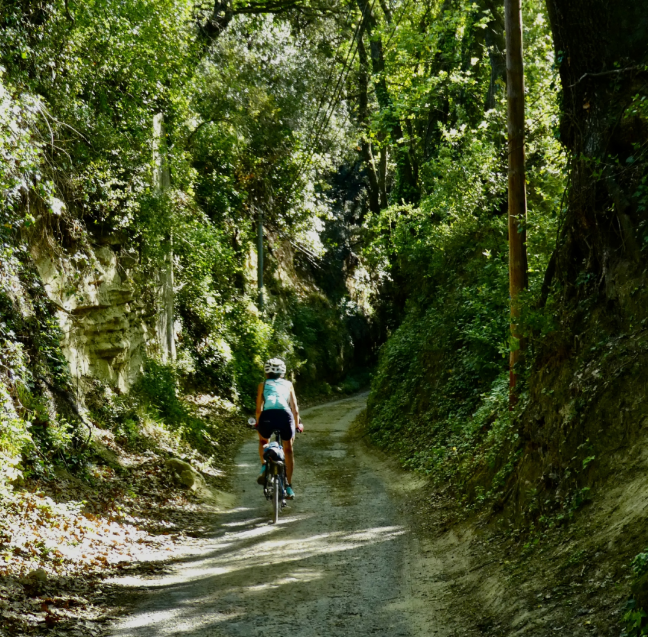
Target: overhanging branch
[[225, 10]]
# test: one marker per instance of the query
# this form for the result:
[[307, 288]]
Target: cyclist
[[276, 409]]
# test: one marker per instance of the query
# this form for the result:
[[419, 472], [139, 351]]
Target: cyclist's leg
[[290, 459], [262, 441], [261, 478]]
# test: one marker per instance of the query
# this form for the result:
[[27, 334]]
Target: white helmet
[[275, 366]]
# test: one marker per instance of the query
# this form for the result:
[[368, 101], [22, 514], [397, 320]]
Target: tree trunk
[[496, 45], [260, 261], [386, 11], [601, 52], [161, 183], [363, 118], [382, 173], [221, 15], [516, 178], [406, 187]]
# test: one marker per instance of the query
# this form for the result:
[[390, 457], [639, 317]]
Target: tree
[[406, 187], [161, 184], [495, 42], [373, 187], [602, 54], [223, 11]]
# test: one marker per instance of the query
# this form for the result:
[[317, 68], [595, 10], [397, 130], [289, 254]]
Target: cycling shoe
[[290, 494], [262, 475]]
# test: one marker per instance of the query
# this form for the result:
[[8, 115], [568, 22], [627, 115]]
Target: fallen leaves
[[59, 540]]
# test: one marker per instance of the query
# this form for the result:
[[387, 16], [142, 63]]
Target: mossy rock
[[185, 475], [106, 456]]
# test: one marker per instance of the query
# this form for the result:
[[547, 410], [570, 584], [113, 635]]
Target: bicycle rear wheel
[[276, 503]]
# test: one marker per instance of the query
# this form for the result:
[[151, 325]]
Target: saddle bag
[[274, 452]]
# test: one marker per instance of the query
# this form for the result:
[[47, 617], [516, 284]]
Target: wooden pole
[[517, 207]]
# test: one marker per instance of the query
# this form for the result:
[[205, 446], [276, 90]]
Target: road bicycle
[[274, 487]]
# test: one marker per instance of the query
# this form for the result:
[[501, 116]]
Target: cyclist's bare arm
[[294, 407], [259, 402]]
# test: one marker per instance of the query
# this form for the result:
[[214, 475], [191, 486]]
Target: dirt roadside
[[571, 580]]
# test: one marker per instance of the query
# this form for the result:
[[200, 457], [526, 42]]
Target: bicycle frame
[[275, 483], [274, 487]]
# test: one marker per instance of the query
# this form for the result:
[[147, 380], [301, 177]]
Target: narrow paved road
[[341, 561]]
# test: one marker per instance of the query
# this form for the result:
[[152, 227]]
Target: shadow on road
[[332, 566]]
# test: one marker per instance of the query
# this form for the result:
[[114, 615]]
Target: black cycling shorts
[[276, 419]]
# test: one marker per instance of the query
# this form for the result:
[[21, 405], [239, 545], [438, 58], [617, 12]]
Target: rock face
[[103, 318]]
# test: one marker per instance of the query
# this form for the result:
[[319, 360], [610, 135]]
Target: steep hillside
[[131, 192]]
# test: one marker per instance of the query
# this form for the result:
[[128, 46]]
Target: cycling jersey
[[276, 394]]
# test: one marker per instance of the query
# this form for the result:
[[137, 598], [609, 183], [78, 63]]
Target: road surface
[[341, 561]]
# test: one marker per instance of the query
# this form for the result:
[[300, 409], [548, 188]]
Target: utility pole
[[517, 207], [260, 259]]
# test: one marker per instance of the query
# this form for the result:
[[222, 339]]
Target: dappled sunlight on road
[[293, 578], [198, 614], [168, 622], [330, 567], [242, 522], [231, 555], [239, 551]]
